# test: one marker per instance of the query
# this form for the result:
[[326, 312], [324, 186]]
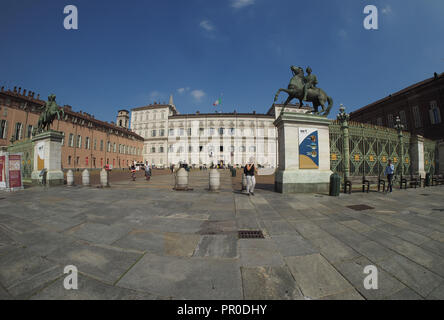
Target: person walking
[[147, 172], [389, 171], [250, 171]]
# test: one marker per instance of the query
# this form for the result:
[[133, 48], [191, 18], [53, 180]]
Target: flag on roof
[[217, 102]]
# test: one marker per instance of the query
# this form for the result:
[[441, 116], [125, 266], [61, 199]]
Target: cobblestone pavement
[[141, 240]]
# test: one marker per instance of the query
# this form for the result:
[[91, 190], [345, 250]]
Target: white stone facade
[[205, 139]]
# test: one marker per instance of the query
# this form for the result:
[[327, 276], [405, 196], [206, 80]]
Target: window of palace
[[253, 149], [189, 132], [221, 131], [95, 144], [69, 160], [153, 149], [79, 141], [171, 132], [403, 119], [114, 148], [243, 149], [161, 149], [153, 133], [201, 149], [190, 149], [3, 129], [170, 148], [29, 132], [416, 117], [181, 132], [221, 148], [71, 140], [101, 145], [390, 121], [63, 138], [211, 132], [18, 131], [201, 131], [87, 143], [232, 131], [435, 114], [161, 132]]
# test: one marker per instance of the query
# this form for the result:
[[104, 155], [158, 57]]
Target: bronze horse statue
[[50, 112], [296, 91]]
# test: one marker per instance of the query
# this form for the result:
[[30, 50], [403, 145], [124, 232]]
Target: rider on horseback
[[310, 82]]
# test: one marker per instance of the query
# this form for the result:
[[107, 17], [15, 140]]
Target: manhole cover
[[360, 207], [251, 235]]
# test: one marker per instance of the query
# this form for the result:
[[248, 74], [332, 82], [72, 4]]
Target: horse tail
[[330, 105]]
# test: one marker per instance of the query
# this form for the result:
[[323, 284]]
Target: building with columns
[[205, 139]]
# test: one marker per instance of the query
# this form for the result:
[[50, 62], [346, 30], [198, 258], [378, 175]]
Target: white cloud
[[386, 10], [155, 94], [198, 94], [183, 90], [241, 3], [206, 25]]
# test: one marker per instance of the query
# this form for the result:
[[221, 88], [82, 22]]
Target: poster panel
[[15, 174], [2, 168], [308, 148]]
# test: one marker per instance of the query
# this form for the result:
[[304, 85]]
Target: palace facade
[[205, 139], [88, 142], [420, 108]]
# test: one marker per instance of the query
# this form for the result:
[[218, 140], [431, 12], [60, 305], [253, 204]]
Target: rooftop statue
[[304, 88], [50, 111]]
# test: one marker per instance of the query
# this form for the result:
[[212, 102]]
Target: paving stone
[[373, 251], [309, 229], [217, 246], [347, 295], [22, 273], [90, 289], [104, 263], [142, 240], [279, 227], [180, 245], [185, 278], [437, 294], [357, 226], [99, 233], [411, 274], [269, 283], [259, 253], [333, 249], [316, 277], [405, 294], [353, 271], [293, 245]]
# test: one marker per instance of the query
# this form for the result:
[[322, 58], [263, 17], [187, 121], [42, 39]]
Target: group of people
[[147, 172]]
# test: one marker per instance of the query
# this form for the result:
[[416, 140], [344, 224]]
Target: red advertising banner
[[15, 174], [2, 168]]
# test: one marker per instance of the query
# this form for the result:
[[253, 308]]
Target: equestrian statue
[[304, 88], [50, 112]]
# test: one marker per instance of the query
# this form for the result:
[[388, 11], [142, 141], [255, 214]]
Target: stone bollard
[[244, 182], [70, 178], [104, 178], [85, 178], [182, 179], [214, 180]]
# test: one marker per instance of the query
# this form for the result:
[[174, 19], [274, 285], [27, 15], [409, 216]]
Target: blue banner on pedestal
[[308, 149]]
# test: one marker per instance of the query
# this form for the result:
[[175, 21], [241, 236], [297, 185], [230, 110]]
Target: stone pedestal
[[48, 156], [441, 157], [417, 155], [304, 153]]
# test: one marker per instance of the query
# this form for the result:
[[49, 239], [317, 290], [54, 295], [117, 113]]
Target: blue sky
[[130, 53]]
